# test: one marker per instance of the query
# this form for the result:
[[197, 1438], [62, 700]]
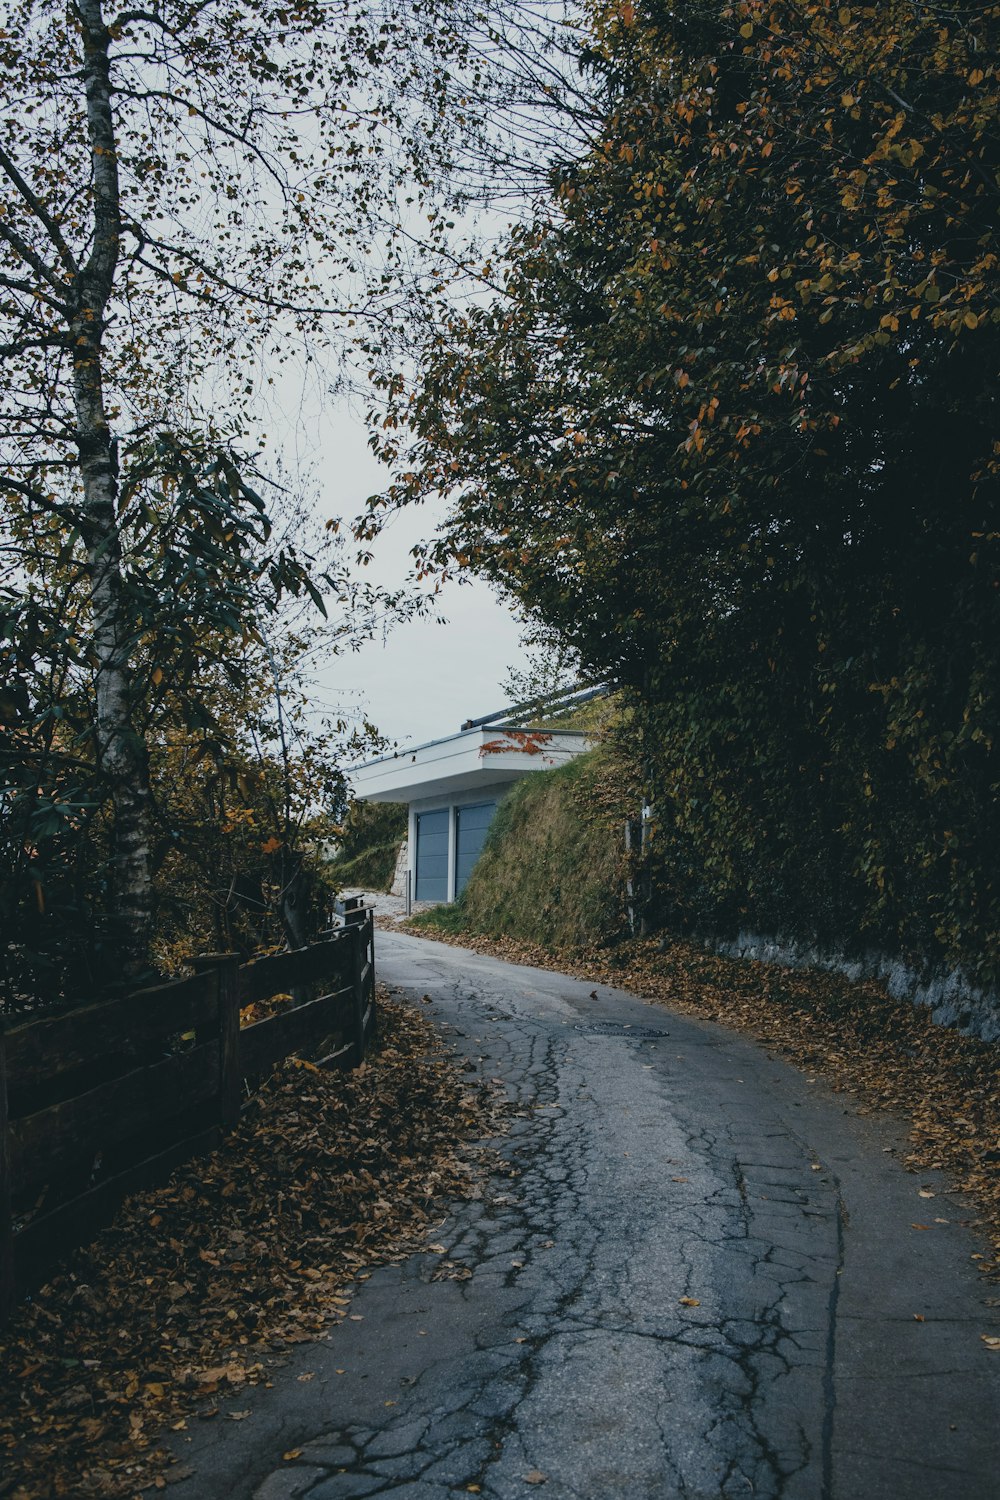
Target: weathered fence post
[[226, 967], [359, 954], [7, 1288]]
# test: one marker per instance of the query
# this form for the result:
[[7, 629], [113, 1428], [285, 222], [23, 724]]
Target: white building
[[453, 787]]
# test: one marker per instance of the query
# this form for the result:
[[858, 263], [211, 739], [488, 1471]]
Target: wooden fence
[[104, 1100]]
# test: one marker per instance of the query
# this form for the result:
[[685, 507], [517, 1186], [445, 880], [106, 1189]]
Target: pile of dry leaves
[[197, 1286], [888, 1053]]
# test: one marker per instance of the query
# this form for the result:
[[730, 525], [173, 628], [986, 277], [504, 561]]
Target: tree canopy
[[731, 430], [192, 191]]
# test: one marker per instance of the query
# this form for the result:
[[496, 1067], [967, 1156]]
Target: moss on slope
[[552, 869]]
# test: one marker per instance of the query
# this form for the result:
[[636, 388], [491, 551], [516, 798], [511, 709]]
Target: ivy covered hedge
[[730, 432]]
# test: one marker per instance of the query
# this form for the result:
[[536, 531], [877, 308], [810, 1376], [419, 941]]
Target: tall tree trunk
[[121, 752]]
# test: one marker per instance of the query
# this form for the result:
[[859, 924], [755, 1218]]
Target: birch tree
[[191, 188]]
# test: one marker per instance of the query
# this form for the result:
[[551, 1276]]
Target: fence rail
[[107, 1099]]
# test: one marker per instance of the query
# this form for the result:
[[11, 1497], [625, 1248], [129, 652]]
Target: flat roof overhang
[[462, 762]]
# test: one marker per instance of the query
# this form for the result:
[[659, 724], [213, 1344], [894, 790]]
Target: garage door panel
[[432, 856], [470, 835]]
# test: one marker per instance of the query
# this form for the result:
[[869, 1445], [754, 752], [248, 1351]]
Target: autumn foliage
[[730, 430]]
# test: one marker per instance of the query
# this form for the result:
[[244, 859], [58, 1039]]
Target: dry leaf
[[535, 1476], [689, 1301], [291, 1454]]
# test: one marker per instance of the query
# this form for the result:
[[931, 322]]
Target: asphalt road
[[705, 1281]]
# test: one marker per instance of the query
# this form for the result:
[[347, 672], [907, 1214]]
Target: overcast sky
[[426, 678]]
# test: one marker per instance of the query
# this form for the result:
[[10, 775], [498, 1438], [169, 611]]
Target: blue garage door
[[432, 856], [473, 825]]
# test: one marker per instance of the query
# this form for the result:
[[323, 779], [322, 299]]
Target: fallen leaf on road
[[292, 1453], [926, 1193], [306, 1375], [680, 1179], [991, 1340], [238, 1416], [689, 1302], [535, 1476]]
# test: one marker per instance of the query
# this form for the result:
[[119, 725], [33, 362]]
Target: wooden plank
[[42, 1241], [339, 1058], [283, 972], [110, 1113], [225, 967], [358, 998], [7, 1270], [122, 1027], [299, 1029], [230, 1072]]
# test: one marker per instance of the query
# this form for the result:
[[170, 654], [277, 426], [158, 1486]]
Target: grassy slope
[[551, 871]]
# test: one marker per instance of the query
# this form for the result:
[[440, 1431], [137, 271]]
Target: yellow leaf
[[746, 30], [292, 1453], [689, 1302], [157, 676]]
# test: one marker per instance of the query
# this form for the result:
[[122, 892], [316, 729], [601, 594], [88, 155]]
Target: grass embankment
[[197, 1287], [552, 869], [369, 846]]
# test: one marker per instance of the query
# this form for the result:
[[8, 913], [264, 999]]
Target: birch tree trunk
[[121, 752]]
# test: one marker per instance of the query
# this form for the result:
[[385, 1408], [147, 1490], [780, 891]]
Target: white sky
[[426, 678]]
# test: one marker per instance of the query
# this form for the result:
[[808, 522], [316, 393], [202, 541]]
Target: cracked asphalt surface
[[703, 1281]]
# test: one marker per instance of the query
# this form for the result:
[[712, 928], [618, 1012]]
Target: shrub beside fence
[[106, 1099]]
